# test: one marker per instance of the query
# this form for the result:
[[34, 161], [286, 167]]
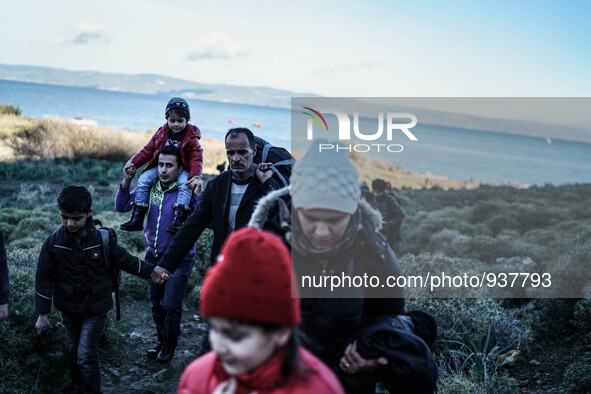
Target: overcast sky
[[331, 48]]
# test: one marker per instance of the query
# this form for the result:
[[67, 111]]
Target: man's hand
[[3, 313], [42, 321], [195, 184], [160, 275], [352, 362], [264, 171]]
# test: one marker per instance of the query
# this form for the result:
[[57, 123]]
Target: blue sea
[[455, 153]]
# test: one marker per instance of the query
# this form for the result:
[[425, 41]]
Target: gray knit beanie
[[325, 180]]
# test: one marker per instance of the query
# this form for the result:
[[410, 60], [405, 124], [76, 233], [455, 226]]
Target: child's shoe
[[181, 213], [136, 222]]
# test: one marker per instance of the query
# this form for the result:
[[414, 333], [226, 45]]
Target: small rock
[[534, 362], [510, 358], [161, 375], [538, 382], [517, 263], [189, 355], [135, 335], [113, 371]]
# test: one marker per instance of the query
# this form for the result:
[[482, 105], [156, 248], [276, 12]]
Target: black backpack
[[114, 271], [280, 157]]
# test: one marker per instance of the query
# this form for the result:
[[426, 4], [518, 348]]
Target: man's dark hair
[[74, 198], [378, 185], [171, 150], [181, 113], [241, 130]]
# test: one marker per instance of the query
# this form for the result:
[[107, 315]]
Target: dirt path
[[125, 367]]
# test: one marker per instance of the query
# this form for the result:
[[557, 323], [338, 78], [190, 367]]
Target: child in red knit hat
[[253, 307]]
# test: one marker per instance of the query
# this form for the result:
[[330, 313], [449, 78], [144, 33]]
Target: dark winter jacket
[[191, 151], [411, 367], [214, 208], [71, 271], [392, 216], [4, 287]]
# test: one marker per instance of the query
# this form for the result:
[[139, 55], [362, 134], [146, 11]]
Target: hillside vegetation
[[447, 225]]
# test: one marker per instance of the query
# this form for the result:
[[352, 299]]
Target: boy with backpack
[[72, 272], [179, 132]]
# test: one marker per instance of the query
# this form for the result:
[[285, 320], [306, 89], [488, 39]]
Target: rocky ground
[[125, 367], [541, 369]]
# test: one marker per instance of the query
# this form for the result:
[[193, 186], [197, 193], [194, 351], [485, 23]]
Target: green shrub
[[577, 377], [555, 313], [470, 319], [498, 384], [32, 366], [10, 110], [133, 287], [582, 315], [22, 258]]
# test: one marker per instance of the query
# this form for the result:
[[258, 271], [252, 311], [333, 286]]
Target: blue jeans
[[167, 300], [83, 338], [149, 178]]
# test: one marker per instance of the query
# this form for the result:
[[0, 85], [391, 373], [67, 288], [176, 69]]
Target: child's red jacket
[[191, 151]]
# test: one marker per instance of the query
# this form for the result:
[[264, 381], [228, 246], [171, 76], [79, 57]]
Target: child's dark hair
[[171, 150], [292, 363], [74, 198], [181, 113]]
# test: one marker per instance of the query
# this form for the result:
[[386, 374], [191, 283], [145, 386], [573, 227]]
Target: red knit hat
[[252, 280]]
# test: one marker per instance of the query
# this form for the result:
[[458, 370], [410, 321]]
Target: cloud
[[217, 46], [84, 33]]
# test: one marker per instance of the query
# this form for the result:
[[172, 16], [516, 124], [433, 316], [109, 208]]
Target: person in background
[[252, 305], [179, 132], [392, 212]]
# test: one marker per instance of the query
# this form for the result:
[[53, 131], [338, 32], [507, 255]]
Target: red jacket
[[206, 373], [191, 151]]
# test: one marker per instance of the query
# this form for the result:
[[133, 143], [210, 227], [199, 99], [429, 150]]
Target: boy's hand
[[42, 321], [195, 184], [160, 275]]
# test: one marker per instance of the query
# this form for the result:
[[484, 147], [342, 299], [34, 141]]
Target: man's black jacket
[[214, 208]]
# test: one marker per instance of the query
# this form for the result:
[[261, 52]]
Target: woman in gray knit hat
[[334, 235]]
